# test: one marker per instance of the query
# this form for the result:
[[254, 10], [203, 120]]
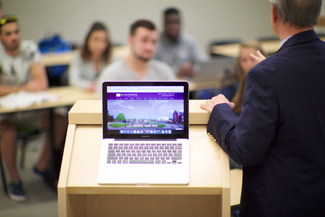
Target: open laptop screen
[[145, 110]]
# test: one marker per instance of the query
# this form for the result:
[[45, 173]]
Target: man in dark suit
[[279, 138]]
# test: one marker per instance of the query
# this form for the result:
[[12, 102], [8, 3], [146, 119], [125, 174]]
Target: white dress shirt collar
[[284, 41]]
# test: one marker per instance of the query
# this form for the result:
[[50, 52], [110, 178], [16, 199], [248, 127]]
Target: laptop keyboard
[[144, 153]]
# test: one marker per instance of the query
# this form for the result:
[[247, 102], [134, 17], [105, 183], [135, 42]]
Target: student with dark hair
[[21, 69], [95, 54], [176, 49], [139, 65]]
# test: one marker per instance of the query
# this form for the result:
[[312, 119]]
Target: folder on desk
[[145, 133]]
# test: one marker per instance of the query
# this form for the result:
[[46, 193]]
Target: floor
[[42, 200]]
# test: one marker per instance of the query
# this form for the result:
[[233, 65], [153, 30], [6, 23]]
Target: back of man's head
[[142, 23], [298, 13]]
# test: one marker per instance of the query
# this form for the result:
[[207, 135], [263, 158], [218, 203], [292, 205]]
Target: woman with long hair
[[234, 82], [91, 59]]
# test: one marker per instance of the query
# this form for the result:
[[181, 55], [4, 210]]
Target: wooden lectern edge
[[225, 183], [64, 171], [144, 190], [90, 112]]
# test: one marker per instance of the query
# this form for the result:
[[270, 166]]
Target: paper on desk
[[24, 99]]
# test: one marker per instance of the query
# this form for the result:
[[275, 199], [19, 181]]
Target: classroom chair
[[23, 136]]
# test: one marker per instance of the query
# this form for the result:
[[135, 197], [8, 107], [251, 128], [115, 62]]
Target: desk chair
[[221, 42], [22, 135]]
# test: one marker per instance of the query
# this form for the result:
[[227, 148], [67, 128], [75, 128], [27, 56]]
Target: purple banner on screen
[[145, 96]]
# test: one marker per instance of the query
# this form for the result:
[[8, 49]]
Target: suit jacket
[[279, 138]]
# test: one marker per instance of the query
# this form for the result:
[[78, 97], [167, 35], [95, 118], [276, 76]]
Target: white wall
[[205, 20]]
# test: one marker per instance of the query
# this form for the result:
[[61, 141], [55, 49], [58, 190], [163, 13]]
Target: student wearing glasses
[[88, 63], [20, 69]]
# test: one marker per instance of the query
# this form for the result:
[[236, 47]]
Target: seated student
[[234, 80], [176, 49], [88, 63], [20, 69], [139, 65]]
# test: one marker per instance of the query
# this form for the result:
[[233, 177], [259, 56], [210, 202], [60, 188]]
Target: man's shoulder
[[114, 69], [28, 45], [159, 64], [187, 38], [162, 68], [29, 50], [118, 64]]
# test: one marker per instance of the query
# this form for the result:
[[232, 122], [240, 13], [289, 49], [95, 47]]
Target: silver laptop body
[[145, 133]]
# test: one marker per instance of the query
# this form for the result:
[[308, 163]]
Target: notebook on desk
[[145, 133]]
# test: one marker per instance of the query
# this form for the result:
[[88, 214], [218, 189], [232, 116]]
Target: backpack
[[54, 44]]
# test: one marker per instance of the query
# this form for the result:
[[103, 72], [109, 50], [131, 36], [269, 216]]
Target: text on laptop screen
[[145, 109]]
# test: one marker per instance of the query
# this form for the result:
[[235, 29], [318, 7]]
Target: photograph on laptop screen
[[145, 113]]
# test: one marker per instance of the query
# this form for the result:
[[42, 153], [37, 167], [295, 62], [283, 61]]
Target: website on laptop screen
[[145, 109]]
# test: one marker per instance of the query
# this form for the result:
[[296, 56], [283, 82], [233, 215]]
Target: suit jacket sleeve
[[247, 138]]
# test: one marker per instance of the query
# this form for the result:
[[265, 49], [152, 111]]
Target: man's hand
[[258, 57], [92, 87], [186, 70], [220, 99]]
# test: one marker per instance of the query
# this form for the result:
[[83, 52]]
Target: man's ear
[[130, 40], [274, 14]]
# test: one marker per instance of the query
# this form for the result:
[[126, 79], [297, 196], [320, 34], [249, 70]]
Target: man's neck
[[172, 39], [11, 52], [137, 66], [287, 30]]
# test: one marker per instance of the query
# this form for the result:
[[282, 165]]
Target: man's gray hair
[[299, 13]]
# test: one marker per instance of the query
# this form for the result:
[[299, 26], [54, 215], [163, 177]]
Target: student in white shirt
[[20, 69]]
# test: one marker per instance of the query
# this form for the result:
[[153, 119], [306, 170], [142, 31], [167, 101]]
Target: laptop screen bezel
[[184, 84]]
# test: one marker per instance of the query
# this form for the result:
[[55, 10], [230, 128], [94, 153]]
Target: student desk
[[79, 194], [67, 96], [65, 58], [232, 50]]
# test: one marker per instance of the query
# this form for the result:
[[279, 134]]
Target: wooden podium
[[79, 194]]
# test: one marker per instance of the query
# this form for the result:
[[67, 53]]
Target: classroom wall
[[205, 20]]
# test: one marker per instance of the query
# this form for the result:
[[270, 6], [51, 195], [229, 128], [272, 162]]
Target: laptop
[[213, 69], [145, 133]]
